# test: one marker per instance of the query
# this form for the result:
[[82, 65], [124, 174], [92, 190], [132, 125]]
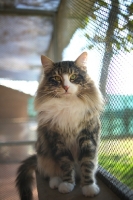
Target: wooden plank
[[46, 193]]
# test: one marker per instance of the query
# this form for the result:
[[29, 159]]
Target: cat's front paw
[[66, 187], [54, 182], [90, 190]]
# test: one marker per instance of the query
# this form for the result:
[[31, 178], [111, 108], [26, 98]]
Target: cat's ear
[[47, 63], [81, 61]]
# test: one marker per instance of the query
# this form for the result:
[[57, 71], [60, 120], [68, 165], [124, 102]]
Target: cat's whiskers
[[44, 92], [44, 95], [83, 97], [86, 84], [54, 95]]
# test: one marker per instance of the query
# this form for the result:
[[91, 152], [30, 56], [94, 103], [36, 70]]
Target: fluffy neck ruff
[[64, 114]]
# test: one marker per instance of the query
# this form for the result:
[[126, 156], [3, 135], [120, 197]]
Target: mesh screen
[[105, 30]]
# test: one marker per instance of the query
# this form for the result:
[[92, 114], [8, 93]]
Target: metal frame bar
[[55, 38], [30, 12], [115, 185]]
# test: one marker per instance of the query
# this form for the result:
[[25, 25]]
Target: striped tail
[[24, 180]]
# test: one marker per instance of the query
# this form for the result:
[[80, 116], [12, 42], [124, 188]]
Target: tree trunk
[[112, 19]]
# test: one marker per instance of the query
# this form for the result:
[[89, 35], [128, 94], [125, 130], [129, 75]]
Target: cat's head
[[66, 79]]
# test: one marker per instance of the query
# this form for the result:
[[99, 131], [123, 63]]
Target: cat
[[68, 105]]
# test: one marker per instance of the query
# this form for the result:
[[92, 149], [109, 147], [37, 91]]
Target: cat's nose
[[65, 87]]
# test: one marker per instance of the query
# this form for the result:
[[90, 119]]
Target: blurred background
[[62, 30]]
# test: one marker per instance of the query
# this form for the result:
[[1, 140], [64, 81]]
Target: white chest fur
[[65, 114]]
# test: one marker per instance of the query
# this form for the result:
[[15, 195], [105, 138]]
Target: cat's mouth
[[67, 93]]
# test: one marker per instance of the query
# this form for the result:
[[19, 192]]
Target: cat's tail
[[24, 180]]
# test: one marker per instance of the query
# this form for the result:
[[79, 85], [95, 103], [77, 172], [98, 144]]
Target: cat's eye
[[73, 77], [57, 78]]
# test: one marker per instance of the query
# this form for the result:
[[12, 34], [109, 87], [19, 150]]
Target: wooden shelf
[[46, 193]]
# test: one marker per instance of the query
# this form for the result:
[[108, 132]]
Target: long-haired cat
[[68, 105]]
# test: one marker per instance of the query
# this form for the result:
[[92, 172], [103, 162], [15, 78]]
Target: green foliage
[[116, 156], [120, 166], [130, 9], [102, 3], [129, 38], [129, 25], [90, 46], [122, 26]]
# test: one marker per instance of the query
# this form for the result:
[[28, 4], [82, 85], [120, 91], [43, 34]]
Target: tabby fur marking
[[68, 105]]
